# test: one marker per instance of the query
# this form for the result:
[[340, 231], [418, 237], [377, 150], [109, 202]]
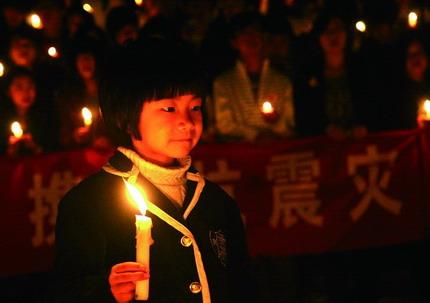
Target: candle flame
[[52, 51], [88, 8], [87, 115], [34, 21], [426, 107], [1, 69], [360, 26], [267, 107], [16, 129], [412, 19], [137, 197], [138, 2]]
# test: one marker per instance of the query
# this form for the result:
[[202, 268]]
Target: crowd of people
[[294, 69]]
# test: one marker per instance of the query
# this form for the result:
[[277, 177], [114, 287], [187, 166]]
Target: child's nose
[[185, 121]]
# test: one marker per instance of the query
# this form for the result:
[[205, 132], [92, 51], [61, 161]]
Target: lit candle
[[88, 8], [143, 239], [426, 108], [360, 26], [87, 116], [34, 21], [138, 2], [267, 108], [1, 69], [268, 111], [16, 129], [52, 51], [412, 19]]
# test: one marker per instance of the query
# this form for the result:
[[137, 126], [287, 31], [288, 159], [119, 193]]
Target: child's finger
[[127, 267]]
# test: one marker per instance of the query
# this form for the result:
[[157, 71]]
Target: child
[[22, 106], [153, 96]]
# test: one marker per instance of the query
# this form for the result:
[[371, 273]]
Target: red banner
[[298, 196]]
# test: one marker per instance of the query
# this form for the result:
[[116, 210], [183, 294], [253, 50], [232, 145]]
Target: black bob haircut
[[147, 70]]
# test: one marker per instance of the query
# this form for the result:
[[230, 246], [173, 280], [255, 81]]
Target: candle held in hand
[[426, 108], [268, 112], [87, 116], [143, 239], [16, 129]]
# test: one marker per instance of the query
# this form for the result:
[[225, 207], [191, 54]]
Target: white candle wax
[[143, 242]]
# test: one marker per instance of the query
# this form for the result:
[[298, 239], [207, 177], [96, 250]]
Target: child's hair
[[18, 72], [242, 21], [144, 71]]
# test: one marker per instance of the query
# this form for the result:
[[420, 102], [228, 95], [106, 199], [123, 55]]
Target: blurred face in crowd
[[22, 92], [74, 22], [52, 19], [23, 52], [416, 61], [86, 65], [333, 38], [249, 42], [127, 33], [13, 16], [231, 8], [169, 129]]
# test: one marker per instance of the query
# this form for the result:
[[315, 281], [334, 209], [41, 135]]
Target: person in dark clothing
[[415, 88], [328, 91], [199, 252], [36, 132]]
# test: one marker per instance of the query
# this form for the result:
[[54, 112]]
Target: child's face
[[22, 91], [334, 36], [86, 65], [23, 52], [169, 128]]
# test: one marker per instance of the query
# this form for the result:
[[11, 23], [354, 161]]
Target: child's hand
[[123, 278], [81, 134]]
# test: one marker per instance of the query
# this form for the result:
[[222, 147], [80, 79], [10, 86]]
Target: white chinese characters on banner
[[295, 183], [371, 189], [46, 200]]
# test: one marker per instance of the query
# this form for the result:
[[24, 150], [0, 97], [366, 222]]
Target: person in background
[[216, 49], [12, 17], [240, 93], [78, 23], [78, 92], [279, 43], [122, 25], [151, 96], [22, 106], [328, 89], [379, 57], [25, 51], [416, 85]]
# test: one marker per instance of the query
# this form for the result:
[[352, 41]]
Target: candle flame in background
[[52, 51], [360, 26], [88, 8], [267, 107], [34, 21], [87, 115], [138, 2], [412, 19], [137, 197], [1, 69], [16, 129], [426, 108]]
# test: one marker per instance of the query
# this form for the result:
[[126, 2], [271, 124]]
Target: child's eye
[[169, 109], [196, 108]]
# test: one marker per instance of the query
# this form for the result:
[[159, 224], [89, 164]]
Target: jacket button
[[195, 287], [186, 241]]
